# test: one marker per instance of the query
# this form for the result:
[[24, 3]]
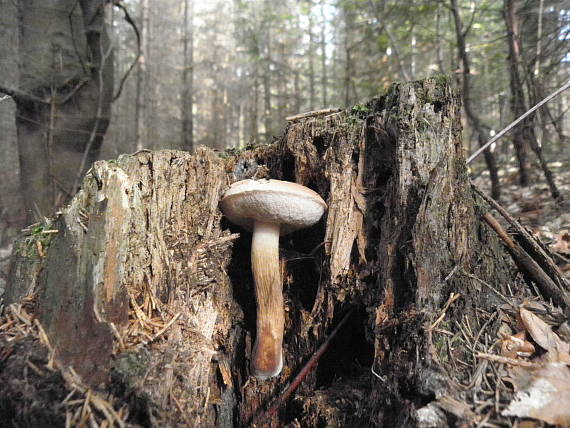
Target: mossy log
[[146, 291]]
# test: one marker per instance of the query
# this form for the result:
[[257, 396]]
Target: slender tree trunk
[[439, 41], [347, 78], [311, 54], [383, 20], [524, 133], [266, 79], [297, 89], [413, 42], [476, 123], [141, 109], [323, 42], [281, 86], [254, 104], [188, 77], [518, 105]]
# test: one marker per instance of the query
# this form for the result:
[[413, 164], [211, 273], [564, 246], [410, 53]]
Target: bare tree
[[188, 77], [518, 105], [64, 97], [475, 121]]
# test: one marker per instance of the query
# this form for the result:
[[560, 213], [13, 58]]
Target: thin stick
[[302, 374], [519, 119], [506, 360], [312, 114]]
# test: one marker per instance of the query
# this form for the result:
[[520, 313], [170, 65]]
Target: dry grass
[[84, 407]]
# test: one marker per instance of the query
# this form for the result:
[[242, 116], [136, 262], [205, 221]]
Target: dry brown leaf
[[545, 394], [516, 345], [562, 244], [558, 350]]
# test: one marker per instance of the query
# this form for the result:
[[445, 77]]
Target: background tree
[[63, 98], [254, 62]]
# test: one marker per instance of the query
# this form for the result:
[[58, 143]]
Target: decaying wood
[[146, 291]]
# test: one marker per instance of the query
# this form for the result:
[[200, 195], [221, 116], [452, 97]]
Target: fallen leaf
[[516, 346], [558, 350], [544, 394]]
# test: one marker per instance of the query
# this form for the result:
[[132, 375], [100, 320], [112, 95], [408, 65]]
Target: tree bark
[[66, 87], [146, 290]]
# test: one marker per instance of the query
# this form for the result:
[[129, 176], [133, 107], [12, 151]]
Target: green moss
[[442, 79], [39, 237]]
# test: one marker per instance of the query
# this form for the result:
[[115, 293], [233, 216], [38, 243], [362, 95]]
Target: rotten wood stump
[[145, 291]]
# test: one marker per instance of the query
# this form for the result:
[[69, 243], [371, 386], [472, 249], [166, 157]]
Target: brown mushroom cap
[[291, 205]]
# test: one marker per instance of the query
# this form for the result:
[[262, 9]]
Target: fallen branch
[[542, 256], [545, 284]]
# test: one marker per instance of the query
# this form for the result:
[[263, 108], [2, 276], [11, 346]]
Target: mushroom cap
[[291, 205]]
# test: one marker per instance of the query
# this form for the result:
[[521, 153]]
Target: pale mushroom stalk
[[270, 208], [267, 359]]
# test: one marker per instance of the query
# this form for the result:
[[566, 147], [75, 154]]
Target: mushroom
[[270, 208]]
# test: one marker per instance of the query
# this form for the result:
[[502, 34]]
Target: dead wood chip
[[542, 394], [558, 350]]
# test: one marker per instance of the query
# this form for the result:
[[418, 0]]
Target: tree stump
[[145, 291]]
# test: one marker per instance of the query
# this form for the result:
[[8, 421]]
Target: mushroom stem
[[267, 358]]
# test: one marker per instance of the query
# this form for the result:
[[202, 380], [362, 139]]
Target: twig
[[519, 119], [506, 360], [452, 298], [302, 374], [313, 113]]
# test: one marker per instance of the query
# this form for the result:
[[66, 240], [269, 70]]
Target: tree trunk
[[518, 105], [524, 134], [475, 121], [188, 77], [66, 86], [12, 214], [323, 43], [146, 290], [143, 76], [311, 55]]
